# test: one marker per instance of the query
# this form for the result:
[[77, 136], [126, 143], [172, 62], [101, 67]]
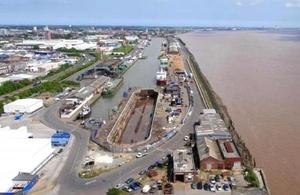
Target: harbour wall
[[212, 101]]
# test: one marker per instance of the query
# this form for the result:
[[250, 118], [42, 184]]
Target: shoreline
[[212, 100]]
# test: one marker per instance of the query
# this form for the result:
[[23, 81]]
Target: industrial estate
[[111, 110]]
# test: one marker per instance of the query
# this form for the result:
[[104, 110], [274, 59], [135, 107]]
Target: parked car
[[218, 187], [212, 188], [140, 155], [194, 185], [119, 186], [186, 138], [127, 188], [135, 185], [153, 190], [212, 181], [129, 180], [199, 185], [142, 172], [206, 186], [151, 167], [218, 178], [146, 188], [226, 187]]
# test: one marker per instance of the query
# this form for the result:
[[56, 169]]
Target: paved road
[[68, 181]]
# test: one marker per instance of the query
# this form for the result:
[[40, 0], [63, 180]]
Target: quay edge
[[212, 100]]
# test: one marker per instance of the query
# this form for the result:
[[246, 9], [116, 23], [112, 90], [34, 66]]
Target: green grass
[[115, 191], [251, 177], [125, 49]]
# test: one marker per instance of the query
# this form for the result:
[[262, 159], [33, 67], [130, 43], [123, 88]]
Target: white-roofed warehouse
[[20, 154], [28, 105]]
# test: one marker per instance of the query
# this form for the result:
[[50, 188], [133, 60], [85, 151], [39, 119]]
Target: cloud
[[248, 2], [292, 3]]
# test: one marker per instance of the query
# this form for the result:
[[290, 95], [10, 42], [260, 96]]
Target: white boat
[[86, 111], [161, 77]]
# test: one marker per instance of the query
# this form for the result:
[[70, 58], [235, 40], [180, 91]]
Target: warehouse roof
[[27, 101], [211, 125], [183, 161], [208, 148], [21, 154], [228, 149]]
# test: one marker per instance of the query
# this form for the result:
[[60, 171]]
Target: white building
[[28, 105], [131, 38], [58, 43], [20, 154]]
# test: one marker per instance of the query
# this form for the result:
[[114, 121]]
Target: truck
[[146, 189]]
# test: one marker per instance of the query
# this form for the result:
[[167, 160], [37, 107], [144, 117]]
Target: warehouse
[[24, 157], [184, 168], [28, 105]]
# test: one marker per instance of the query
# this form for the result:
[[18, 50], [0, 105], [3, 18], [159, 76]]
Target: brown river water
[[257, 76]]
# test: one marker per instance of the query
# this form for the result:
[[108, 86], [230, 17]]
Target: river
[[141, 74], [256, 74]]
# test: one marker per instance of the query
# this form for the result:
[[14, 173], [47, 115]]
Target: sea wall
[[212, 100]]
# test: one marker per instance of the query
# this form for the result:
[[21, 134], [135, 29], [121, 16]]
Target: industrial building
[[214, 148], [28, 105], [21, 158], [84, 96], [183, 164], [211, 125]]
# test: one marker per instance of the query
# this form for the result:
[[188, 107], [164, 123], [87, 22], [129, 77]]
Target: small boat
[[86, 111], [161, 78], [93, 123]]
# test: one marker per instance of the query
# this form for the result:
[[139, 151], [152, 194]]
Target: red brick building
[[217, 154]]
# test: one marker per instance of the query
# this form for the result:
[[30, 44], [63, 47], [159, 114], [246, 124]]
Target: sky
[[249, 13]]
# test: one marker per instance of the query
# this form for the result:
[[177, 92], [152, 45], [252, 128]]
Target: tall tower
[[47, 33]]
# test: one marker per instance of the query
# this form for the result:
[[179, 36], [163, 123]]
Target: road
[[68, 181]]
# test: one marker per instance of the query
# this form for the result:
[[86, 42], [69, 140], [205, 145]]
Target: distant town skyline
[[243, 13]]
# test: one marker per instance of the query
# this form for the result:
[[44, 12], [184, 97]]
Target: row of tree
[[10, 86]]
